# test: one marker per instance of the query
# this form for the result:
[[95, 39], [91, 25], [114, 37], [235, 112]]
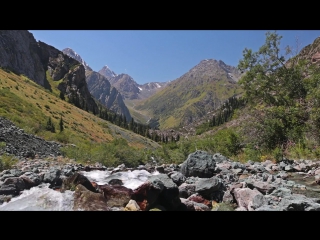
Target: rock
[[227, 197], [116, 195], [53, 177], [147, 194], [160, 169], [199, 199], [263, 187], [132, 206], [297, 202], [85, 200], [17, 182], [31, 179], [281, 192], [206, 186], [186, 190], [193, 206], [9, 190], [169, 196], [16, 172], [248, 199], [115, 182], [178, 178], [200, 164], [70, 183]]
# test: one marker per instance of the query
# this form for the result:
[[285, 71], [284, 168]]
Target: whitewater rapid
[[42, 198]]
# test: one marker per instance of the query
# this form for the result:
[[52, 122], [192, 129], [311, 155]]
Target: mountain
[[201, 90], [77, 57], [100, 88], [107, 72], [133, 92], [46, 66], [128, 87]]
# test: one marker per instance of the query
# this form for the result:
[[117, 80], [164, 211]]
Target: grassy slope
[[180, 100], [29, 106]]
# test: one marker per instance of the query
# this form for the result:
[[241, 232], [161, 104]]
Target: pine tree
[[62, 95], [50, 126], [61, 124]]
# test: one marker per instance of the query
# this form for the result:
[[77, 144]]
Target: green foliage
[[281, 89], [50, 126], [2, 145], [62, 137], [61, 124], [7, 162], [110, 154]]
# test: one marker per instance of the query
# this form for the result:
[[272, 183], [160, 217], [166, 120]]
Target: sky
[[164, 55]]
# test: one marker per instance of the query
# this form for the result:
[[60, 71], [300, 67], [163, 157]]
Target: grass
[[29, 106]]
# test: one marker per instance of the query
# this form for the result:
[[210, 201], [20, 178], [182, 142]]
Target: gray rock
[[248, 199], [178, 178], [186, 190], [200, 164], [297, 202], [206, 186], [169, 196], [17, 182]]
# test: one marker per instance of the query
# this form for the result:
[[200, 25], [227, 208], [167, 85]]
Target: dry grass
[[27, 105]]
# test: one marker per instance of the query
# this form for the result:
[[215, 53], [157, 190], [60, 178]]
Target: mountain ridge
[[202, 89], [100, 87]]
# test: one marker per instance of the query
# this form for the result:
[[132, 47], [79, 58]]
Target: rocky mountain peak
[[107, 72], [76, 56]]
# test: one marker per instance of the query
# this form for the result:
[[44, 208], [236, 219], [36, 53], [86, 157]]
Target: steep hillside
[[204, 88], [29, 106], [100, 88]]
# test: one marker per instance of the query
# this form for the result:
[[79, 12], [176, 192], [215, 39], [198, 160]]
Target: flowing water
[[42, 198]]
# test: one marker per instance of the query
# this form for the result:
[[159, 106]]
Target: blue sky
[[163, 55]]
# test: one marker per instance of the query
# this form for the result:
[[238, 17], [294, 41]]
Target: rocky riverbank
[[203, 182]]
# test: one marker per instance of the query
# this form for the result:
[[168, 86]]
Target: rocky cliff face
[[101, 89], [21, 53]]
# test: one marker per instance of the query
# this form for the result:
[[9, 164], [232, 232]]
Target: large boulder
[[207, 186], [85, 200], [199, 164], [248, 199], [71, 182], [169, 196], [116, 195], [53, 177], [146, 195]]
